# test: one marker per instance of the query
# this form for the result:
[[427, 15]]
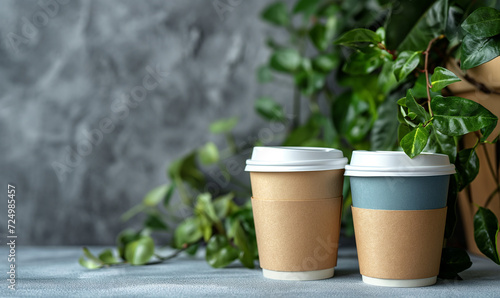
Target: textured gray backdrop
[[98, 97]]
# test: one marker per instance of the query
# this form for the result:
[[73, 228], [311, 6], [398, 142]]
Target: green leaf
[[187, 232], [91, 261], [442, 78], [406, 62], [224, 205], [185, 169], [483, 22], [219, 253], [107, 257], [309, 82], [285, 60], [304, 133], [415, 141], [430, 25], [264, 74], [361, 63], [156, 195], [140, 251], [307, 7], [403, 130], [125, 237], [276, 14], [386, 80], [321, 35], [486, 230], [352, 117], [456, 116], [155, 222], [358, 38], [441, 143], [413, 106], [453, 261], [246, 255], [325, 63], [477, 51], [420, 89], [467, 165], [168, 195], [401, 18], [205, 206], [269, 109], [384, 132], [223, 125], [208, 154], [89, 264]]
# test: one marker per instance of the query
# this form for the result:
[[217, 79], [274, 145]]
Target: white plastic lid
[[397, 163], [295, 159]]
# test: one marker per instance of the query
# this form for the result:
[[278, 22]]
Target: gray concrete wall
[[74, 67]]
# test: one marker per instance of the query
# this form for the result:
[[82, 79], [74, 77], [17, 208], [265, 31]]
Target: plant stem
[[426, 70], [490, 197]]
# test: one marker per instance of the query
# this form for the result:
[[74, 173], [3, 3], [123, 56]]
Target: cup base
[[400, 283], [299, 275]]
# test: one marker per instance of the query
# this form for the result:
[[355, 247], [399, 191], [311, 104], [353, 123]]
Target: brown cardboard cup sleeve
[[399, 244], [297, 235]]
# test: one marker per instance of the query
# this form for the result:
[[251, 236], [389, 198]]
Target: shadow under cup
[[399, 214], [297, 206]]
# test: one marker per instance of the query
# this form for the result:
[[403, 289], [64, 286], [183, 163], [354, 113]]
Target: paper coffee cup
[[297, 203], [399, 214]]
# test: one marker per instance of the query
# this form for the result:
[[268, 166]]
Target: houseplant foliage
[[372, 75]]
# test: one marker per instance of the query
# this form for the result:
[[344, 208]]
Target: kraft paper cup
[[297, 203], [399, 214]]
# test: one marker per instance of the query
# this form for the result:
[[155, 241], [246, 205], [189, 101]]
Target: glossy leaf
[[246, 255], [467, 166], [416, 108], [208, 154], [456, 116], [358, 38], [219, 253], [321, 35], [441, 143], [406, 62], [420, 89], [430, 25], [351, 117], [276, 14], [361, 63], [156, 195], [107, 257], [90, 256], [285, 60], [403, 130], [223, 125], [264, 74], [168, 195], [140, 251], [386, 80], [453, 261], [441, 78], [483, 22], [486, 230], [415, 141], [187, 232], [477, 51], [269, 109]]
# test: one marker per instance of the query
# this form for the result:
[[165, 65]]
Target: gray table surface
[[55, 272]]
